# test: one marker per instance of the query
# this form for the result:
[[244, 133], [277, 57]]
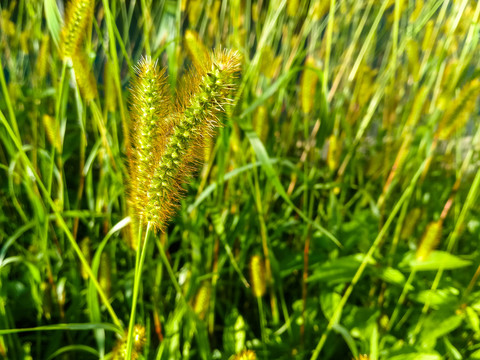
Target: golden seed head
[[85, 246], [245, 355], [105, 273], [308, 85], [139, 338], [458, 113], [53, 132], [120, 351], [196, 49], [199, 106], [78, 16], [202, 300], [84, 76], [257, 275], [150, 106], [430, 240], [42, 59], [166, 140]]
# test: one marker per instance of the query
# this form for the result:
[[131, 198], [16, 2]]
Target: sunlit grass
[[335, 213]]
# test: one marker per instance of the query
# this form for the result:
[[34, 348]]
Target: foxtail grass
[[78, 16], [257, 276], [167, 139], [165, 144], [150, 108]]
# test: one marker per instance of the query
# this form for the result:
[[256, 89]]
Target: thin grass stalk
[[8, 101], [306, 250], [346, 64], [263, 328], [331, 19], [139, 261], [170, 272], [110, 21], [147, 25], [266, 249], [401, 299], [471, 284], [213, 296], [393, 247], [307, 208], [61, 222], [97, 116], [368, 40]]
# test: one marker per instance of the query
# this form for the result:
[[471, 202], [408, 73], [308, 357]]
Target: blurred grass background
[[343, 187]]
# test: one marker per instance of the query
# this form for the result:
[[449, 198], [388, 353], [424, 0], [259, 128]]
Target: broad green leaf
[[434, 297], [391, 276], [475, 355], [437, 324], [340, 270], [473, 319], [435, 261], [329, 302]]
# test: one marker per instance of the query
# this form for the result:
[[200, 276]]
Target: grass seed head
[[200, 103], [120, 351], [139, 338], [245, 355], [53, 132], [150, 108], [42, 60], [84, 76], [202, 300], [85, 246], [430, 240], [257, 276], [196, 49], [78, 16], [308, 85], [105, 273], [458, 113]]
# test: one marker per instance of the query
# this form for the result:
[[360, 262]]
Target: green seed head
[[199, 107], [78, 16], [167, 139], [149, 110]]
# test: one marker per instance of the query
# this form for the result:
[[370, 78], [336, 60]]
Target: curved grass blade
[[63, 327]]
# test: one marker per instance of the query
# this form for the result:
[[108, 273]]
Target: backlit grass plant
[[166, 140], [358, 123], [167, 137]]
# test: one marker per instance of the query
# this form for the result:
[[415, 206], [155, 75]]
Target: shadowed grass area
[[334, 214]]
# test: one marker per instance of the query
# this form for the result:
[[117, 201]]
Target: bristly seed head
[[172, 137], [150, 106], [78, 16]]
